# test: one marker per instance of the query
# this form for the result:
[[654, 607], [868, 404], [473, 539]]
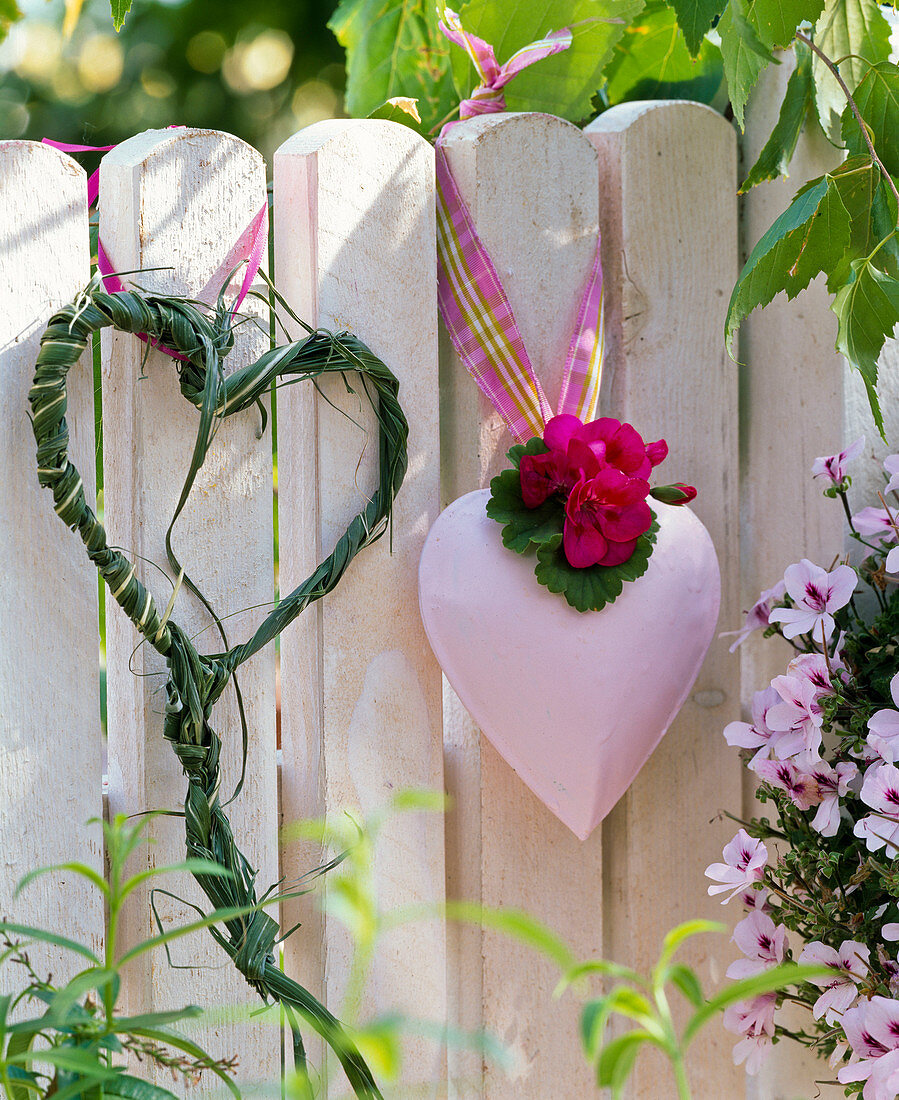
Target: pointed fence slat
[[667, 191], [530, 184], [50, 743], [361, 696], [177, 201]]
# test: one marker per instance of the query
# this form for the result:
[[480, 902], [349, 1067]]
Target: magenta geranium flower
[[816, 594], [604, 517]]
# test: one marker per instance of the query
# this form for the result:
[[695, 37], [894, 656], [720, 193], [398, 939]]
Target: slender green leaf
[[133, 1088], [867, 309], [80, 869], [512, 922], [775, 157], [127, 1024], [744, 52], [563, 84], [685, 980], [679, 935], [616, 1060], [594, 1018], [40, 936], [651, 61], [599, 966], [394, 48], [877, 99], [855, 34], [695, 17]]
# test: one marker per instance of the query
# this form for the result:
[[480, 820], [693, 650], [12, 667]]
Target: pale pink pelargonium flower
[[833, 784], [817, 668], [875, 523], [834, 466], [744, 864], [816, 594], [872, 1028], [891, 465], [880, 791], [850, 966], [797, 719], [755, 898], [757, 734], [756, 616], [754, 1020], [785, 776], [891, 565], [762, 942], [884, 726]]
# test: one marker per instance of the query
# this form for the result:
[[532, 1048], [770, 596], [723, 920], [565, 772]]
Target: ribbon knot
[[488, 97]]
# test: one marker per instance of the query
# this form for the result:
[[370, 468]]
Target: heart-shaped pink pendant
[[575, 702]]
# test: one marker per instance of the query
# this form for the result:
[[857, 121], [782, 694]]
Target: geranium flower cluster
[[820, 877], [599, 473]]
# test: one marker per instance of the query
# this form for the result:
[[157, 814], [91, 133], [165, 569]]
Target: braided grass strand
[[195, 681]]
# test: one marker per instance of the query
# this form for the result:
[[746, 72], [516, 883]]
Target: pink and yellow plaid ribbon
[[472, 301]]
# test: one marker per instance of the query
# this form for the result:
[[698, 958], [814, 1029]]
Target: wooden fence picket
[[177, 200], [361, 696], [667, 191], [530, 184], [50, 743]]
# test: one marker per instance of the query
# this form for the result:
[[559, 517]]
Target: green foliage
[[400, 109], [120, 9], [565, 83], [9, 13], [645, 1003], [777, 153], [652, 61], [695, 18], [71, 1041], [855, 34], [394, 48], [745, 54], [877, 100]]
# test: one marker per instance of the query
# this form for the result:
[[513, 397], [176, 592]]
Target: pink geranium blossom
[[850, 966], [816, 594], [833, 784], [797, 718], [875, 523], [872, 1028], [884, 727], [761, 941], [744, 863], [880, 791], [757, 734], [604, 517], [817, 668], [757, 615], [785, 776], [754, 1020], [891, 465], [834, 466]]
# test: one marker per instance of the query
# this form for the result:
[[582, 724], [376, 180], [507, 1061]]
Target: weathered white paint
[[179, 200], [667, 182], [50, 743], [361, 692], [791, 410], [530, 184]]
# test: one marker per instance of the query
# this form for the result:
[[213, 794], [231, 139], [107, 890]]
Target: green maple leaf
[[867, 309], [592, 588], [856, 34], [695, 17], [775, 157], [394, 48], [563, 84]]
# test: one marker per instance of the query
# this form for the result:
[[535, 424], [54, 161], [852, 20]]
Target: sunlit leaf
[[695, 17]]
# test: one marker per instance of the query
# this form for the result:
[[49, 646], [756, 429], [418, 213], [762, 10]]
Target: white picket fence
[[364, 711]]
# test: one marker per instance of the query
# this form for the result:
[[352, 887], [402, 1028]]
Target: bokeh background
[[260, 69]]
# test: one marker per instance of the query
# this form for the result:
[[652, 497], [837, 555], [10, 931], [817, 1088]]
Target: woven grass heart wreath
[[195, 680]]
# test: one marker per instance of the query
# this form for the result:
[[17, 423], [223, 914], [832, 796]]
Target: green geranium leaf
[[9, 14], [867, 309], [775, 157], [394, 48], [652, 61], [534, 446], [591, 589], [745, 54], [400, 109], [877, 99], [855, 33], [695, 17], [563, 84], [812, 235], [523, 527]]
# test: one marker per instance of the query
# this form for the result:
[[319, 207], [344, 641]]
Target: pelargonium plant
[[823, 742], [578, 496]]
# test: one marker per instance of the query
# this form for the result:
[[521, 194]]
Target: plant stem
[[680, 1076], [835, 72]]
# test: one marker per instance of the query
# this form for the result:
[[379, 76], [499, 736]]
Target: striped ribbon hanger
[[471, 297], [249, 247]]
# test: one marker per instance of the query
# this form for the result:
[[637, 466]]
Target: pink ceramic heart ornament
[[575, 702]]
